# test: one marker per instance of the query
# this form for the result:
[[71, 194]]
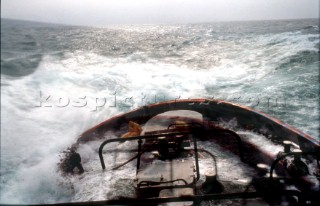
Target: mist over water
[[57, 81]]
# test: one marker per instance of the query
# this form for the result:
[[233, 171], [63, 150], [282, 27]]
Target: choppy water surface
[[57, 81]]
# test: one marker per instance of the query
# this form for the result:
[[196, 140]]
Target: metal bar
[[150, 201], [139, 154], [132, 139], [196, 156]]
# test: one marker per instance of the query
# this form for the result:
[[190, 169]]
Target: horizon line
[[165, 23]]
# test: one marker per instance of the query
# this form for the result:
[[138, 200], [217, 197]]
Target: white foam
[[34, 133]]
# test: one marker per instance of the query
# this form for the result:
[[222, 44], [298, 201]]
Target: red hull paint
[[212, 110]]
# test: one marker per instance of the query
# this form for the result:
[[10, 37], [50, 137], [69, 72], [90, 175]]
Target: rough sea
[[57, 81]]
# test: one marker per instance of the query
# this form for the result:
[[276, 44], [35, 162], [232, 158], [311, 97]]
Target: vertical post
[[287, 146], [139, 153], [196, 155]]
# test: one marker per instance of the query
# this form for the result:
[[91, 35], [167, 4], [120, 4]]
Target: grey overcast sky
[[105, 12]]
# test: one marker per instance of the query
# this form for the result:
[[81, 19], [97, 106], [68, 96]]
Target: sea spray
[[58, 81]]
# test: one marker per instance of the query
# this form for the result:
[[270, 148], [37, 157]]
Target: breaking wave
[[64, 80]]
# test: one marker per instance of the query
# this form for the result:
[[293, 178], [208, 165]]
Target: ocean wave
[[73, 82], [20, 66], [313, 27], [29, 43], [301, 59], [111, 86]]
